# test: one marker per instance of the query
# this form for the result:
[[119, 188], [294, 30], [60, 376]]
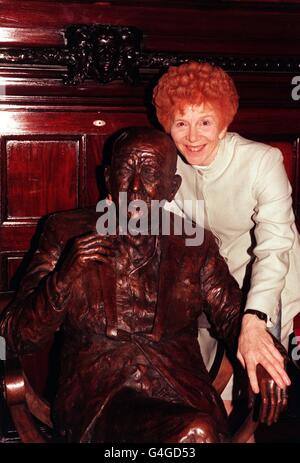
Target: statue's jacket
[[95, 357]]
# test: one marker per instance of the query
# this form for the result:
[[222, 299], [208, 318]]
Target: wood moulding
[[105, 53]]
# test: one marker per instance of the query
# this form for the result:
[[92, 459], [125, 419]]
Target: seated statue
[[128, 305]]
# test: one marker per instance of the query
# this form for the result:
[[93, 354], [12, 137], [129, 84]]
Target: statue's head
[[144, 166]]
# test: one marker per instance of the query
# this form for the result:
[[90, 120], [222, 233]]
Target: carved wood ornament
[[105, 53]]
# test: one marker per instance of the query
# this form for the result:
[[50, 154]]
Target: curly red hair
[[193, 84]]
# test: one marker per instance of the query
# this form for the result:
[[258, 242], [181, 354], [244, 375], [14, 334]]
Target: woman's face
[[197, 132]]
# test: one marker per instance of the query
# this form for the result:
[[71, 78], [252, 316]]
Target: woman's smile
[[195, 149]]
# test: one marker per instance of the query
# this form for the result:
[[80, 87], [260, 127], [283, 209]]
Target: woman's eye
[[180, 124], [206, 122]]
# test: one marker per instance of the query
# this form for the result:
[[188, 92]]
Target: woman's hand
[[255, 347]]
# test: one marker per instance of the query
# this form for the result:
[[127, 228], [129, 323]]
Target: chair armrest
[[15, 396], [38, 406], [24, 404]]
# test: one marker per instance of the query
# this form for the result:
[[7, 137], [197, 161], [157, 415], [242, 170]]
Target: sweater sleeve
[[222, 297], [274, 234], [38, 307]]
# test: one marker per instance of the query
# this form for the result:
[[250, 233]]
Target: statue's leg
[[133, 417]]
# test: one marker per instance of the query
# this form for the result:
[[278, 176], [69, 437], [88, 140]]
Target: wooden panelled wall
[[52, 134]]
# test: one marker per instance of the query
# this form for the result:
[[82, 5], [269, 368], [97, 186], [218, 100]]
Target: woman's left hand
[[255, 347]]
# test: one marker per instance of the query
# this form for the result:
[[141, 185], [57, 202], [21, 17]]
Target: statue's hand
[[273, 398], [87, 249]]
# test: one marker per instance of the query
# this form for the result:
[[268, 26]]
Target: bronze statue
[[131, 367]]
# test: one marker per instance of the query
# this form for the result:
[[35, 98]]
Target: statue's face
[[145, 172]]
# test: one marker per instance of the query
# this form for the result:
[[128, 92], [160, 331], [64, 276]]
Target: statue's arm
[[41, 303], [222, 296], [38, 307]]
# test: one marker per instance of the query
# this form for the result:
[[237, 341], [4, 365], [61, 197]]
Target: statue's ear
[[176, 182], [107, 172]]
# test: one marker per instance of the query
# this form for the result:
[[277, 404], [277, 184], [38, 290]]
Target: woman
[[247, 200]]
